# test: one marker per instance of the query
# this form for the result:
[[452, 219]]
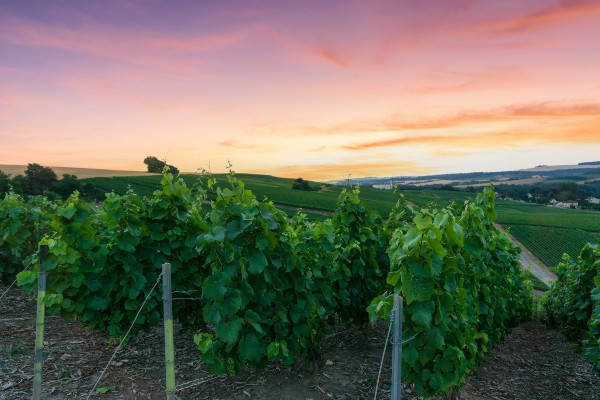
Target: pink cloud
[[565, 11], [143, 49]]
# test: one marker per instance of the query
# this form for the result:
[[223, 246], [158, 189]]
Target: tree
[[156, 165], [301, 184], [67, 185], [4, 184], [38, 178]]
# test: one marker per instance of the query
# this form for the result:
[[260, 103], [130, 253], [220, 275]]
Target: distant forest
[[590, 163]]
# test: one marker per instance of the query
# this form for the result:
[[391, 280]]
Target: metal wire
[[193, 383], [124, 337], [187, 298], [185, 291], [15, 281], [407, 340], [383, 355]]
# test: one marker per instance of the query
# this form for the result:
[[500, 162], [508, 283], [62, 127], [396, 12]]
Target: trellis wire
[[194, 382], [185, 291], [15, 281], [124, 337], [186, 298], [383, 355]]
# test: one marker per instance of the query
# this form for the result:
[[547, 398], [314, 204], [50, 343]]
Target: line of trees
[[38, 180]]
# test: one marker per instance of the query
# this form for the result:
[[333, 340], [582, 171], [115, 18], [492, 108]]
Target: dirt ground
[[532, 363]]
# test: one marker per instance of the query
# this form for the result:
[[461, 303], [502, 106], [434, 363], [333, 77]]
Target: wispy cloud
[[147, 49], [564, 11], [255, 148], [547, 111]]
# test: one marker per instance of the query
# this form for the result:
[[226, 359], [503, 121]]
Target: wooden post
[[39, 326], [168, 318], [397, 349]]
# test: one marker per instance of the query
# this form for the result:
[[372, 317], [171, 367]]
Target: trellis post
[[397, 312], [168, 319], [39, 325]]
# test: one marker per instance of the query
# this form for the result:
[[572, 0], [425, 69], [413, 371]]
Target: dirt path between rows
[[533, 363], [531, 262]]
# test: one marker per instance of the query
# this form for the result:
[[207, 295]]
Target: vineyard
[[547, 232], [268, 287], [550, 232], [545, 243]]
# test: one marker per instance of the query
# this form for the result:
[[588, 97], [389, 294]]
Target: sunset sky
[[312, 89]]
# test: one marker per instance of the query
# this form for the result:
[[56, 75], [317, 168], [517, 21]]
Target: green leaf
[[237, 226], [67, 212], [228, 331], [410, 354], [258, 262], [251, 349], [105, 389], [216, 235], [422, 314], [411, 238], [97, 303], [417, 283], [422, 223], [25, 278], [254, 319], [213, 290], [125, 245], [273, 350], [232, 302], [284, 348]]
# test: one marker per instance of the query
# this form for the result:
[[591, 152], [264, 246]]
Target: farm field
[[547, 232]]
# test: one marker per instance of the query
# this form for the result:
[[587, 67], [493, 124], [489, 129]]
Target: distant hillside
[[583, 171], [80, 173]]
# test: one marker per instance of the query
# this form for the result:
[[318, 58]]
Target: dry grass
[[80, 173]]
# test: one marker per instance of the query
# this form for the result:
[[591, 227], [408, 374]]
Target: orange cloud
[[548, 111], [585, 132]]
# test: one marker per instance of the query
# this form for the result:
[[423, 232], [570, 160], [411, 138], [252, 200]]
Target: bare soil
[[532, 363]]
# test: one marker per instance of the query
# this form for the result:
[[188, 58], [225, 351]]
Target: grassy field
[[547, 232]]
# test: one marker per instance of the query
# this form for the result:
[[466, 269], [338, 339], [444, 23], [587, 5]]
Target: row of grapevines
[[573, 302], [267, 284], [272, 283], [102, 264], [22, 226], [461, 283]]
